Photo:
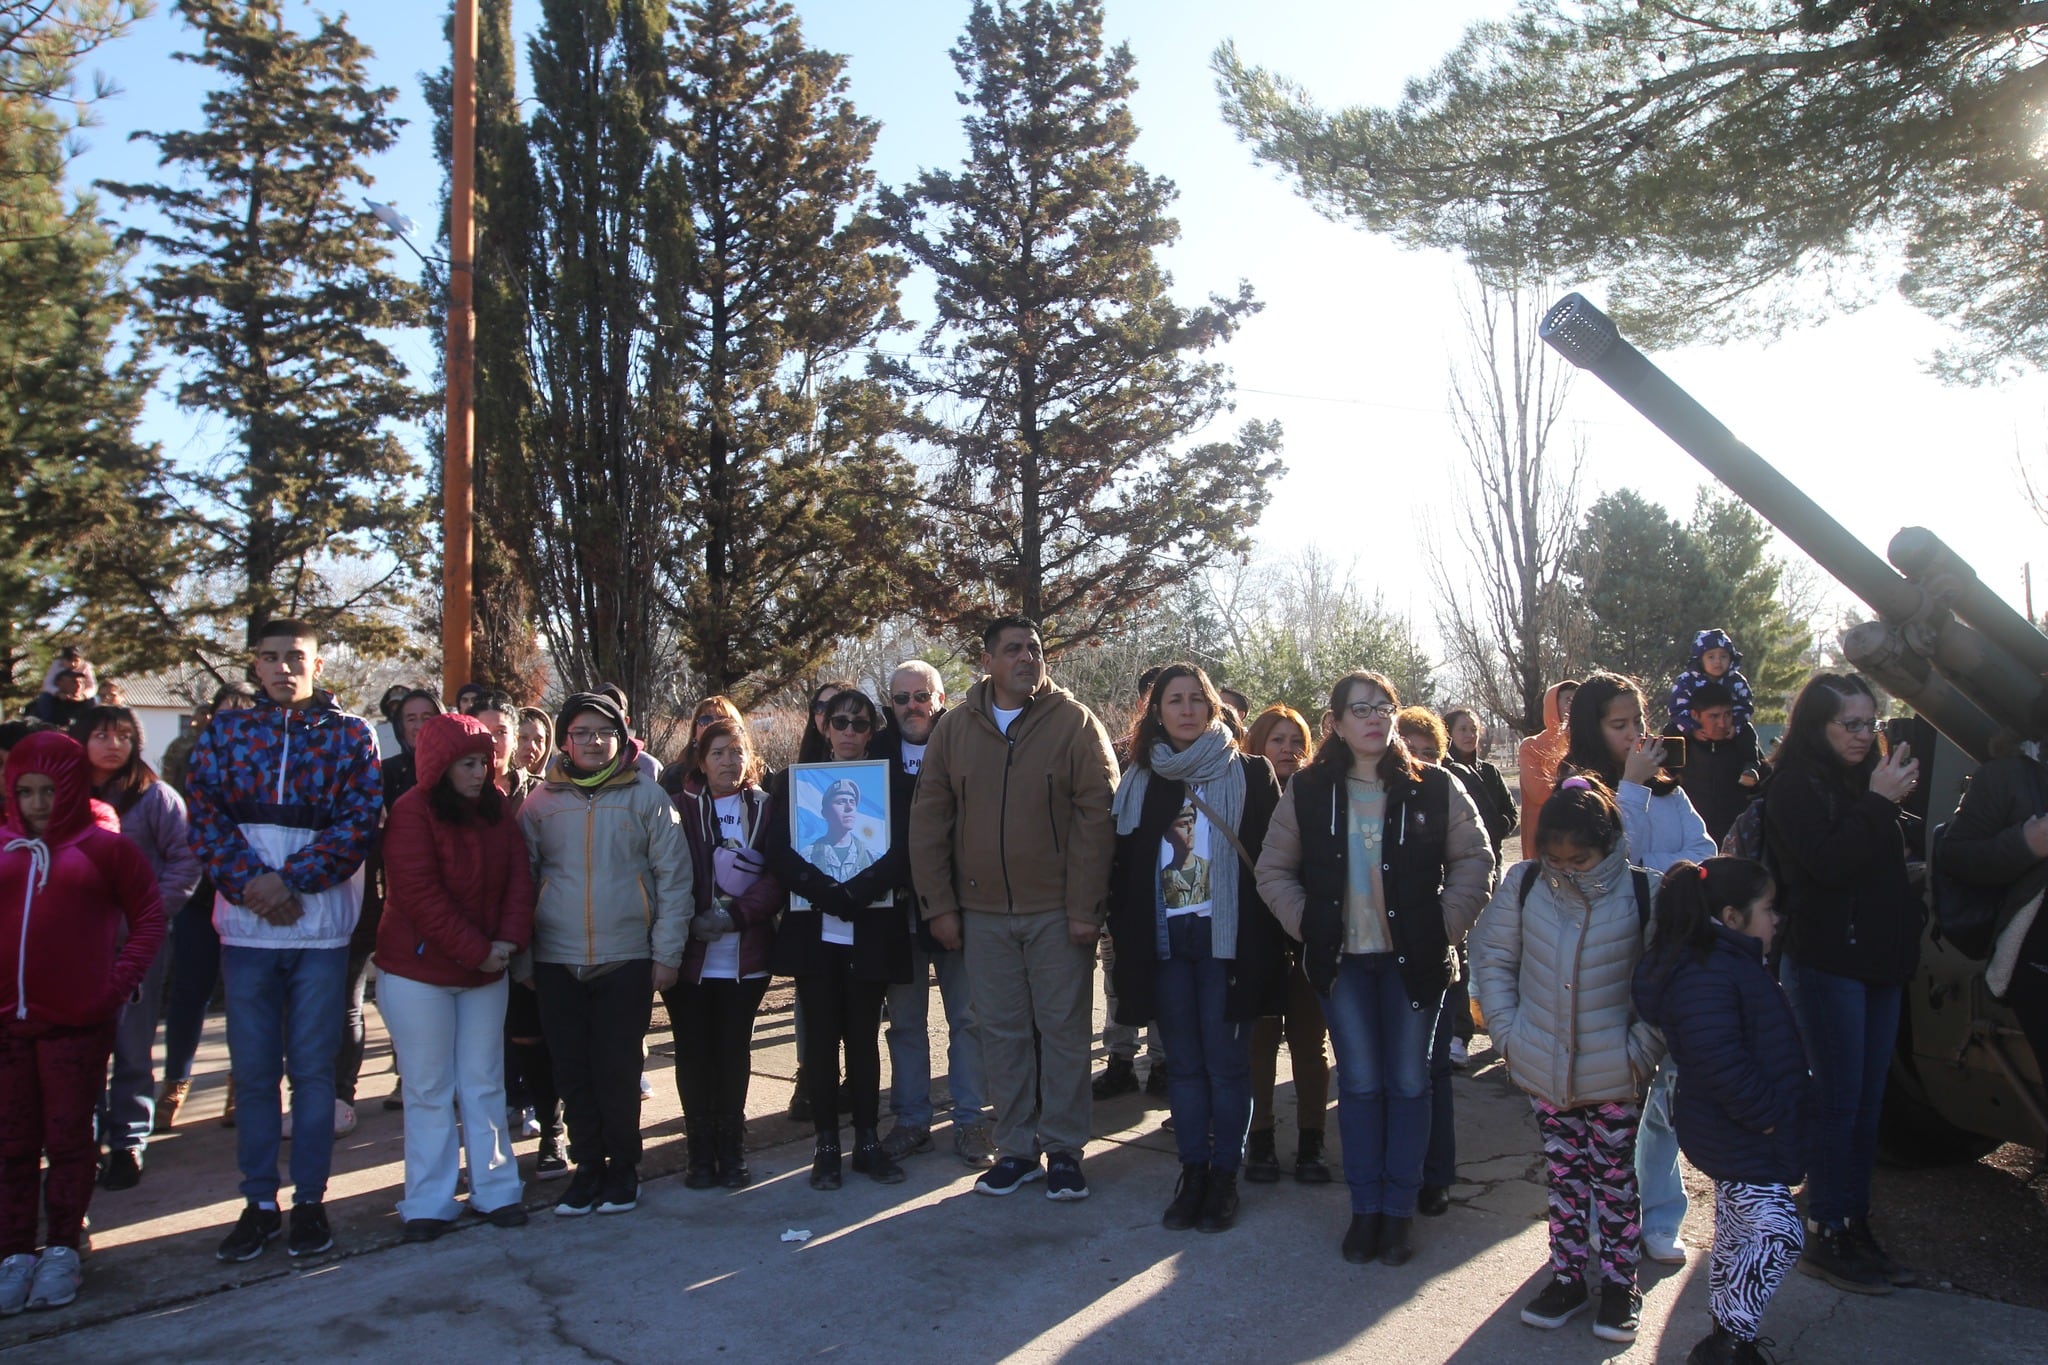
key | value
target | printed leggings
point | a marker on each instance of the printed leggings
(1591, 1155)
(1757, 1236)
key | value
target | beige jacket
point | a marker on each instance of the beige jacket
(612, 868)
(1015, 824)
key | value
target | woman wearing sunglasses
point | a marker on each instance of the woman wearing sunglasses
(843, 953)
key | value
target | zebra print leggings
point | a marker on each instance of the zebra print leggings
(1590, 1153)
(1757, 1237)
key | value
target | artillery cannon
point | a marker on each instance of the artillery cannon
(1963, 1077)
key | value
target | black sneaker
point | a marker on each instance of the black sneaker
(621, 1188)
(1621, 1313)
(1063, 1178)
(1831, 1256)
(310, 1234)
(553, 1161)
(1119, 1077)
(252, 1232)
(418, 1230)
(1261, 1158)
(1560, 1302)
(123, 1170)
(584, 1187)
(1155, 1081)
(1007, 1175)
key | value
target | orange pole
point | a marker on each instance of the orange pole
(459, 502)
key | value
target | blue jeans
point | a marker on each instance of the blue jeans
(910, 1041)
(1382, 1042)
(128, 1108)
(1851, 1028)
(285, 1010)
(1663, 1192)
(1209, 1085)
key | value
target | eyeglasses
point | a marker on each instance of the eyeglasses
(1365, 710)
(604, 736)
(1859, 727)
(905, 698)
(858, 724)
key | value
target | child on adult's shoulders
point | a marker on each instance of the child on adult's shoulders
(1714, 660)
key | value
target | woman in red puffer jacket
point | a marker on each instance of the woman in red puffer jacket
(67, 889)
(458, 904)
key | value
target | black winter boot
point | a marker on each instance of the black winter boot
(871, 1161)
(1187, 1196)
(1219, 1202)
(1261, 1161)
(730, 1141)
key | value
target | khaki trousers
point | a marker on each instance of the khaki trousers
(1025, 974)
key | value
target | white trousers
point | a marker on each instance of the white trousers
(451, 1054)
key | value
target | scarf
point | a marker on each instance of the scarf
(1592, 887)
(629, 753)
(1209, 763)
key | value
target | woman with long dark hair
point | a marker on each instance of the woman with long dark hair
(153, 818)
(843, 952)
(1660, 828)
(1852, 940)
(1201, 953)
(459, 905)
(1376, 863)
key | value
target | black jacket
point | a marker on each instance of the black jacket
(1417, 823)
(1712, 777)
(902, 791)
(1986, 842)
(1745, 1097)
(881, 934)
(1257, 974)
(1483, 783)
(1840, 860)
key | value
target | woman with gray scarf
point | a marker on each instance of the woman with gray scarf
(1191, 815)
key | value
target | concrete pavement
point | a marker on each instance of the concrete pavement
(922, 1269)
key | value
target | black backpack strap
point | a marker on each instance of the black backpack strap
(1642, 881)
(1528, 885)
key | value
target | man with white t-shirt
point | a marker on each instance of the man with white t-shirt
(917, 698)
(1010, 847)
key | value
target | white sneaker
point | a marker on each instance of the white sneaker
(57, 1278)
(344, 1118)
(1460, 1054)
(1664, 1250)
(17, 1273)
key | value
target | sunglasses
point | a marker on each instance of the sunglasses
(905, 698)
(858, 724)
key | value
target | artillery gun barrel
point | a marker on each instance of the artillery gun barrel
(1881, 652)
(1950, 580)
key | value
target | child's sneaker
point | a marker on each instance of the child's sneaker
(1621, 1313)
(57, 1278)
(1560, 1302)
(17, 1273)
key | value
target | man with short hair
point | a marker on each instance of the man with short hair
(1010, 848)
(917, 699)
(68, 697)
(286, 800)
(1722, 766)
(536, 740)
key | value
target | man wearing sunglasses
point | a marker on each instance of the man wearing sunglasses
(1010, 847)
(917, 698)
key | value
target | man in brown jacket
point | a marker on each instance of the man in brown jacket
(1010, 844)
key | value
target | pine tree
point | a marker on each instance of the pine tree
(84, 545)
(801, 510)
(1060, 379)
(272, 291)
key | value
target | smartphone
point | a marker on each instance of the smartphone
(1674, 752)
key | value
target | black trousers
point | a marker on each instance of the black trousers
(840, 1008)
(526, 1053)
(713, 1025)
(594, 1029)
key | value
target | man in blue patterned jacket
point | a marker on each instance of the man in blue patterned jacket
(285, 803)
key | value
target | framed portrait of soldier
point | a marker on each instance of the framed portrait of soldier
(839, 823)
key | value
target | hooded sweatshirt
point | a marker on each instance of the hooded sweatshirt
(1696, 676)
(451, 890)
(1538, 758)
(65, 898)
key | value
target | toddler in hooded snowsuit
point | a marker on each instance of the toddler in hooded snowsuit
(1702, 672)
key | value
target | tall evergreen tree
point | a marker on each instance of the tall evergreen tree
(272, 290)
(1060, 379)
(801, 511)
(83, 543)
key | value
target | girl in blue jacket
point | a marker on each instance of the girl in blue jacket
(1744, 1092)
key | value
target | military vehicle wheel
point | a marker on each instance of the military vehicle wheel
(1911, 1132)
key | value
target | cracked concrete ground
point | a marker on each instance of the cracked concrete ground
(922, 1268)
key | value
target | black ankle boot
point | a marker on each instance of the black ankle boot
(1219, 1202)
(1309, 1167)
(1362, 1239)
(1187, 1197)
(825, 1163)
(702, 1173)
(871, 1161)
(799, 1101)
(1261, 1161)
(1395, 1248)
(730, 1141)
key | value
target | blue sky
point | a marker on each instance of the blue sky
(1352, 350)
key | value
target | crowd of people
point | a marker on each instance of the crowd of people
(526, 886)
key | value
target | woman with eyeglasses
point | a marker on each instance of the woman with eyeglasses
(1377, 864)
(1851, 930)
(843, 952)
(1605, 737)
(615, 902)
